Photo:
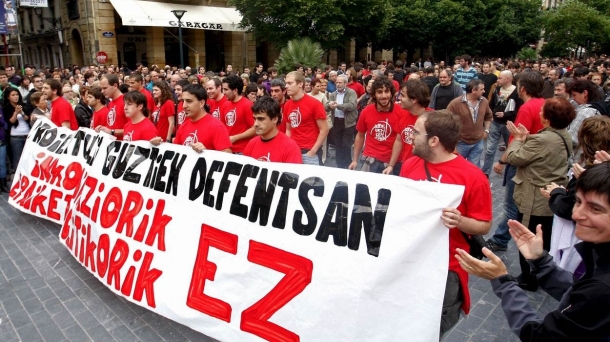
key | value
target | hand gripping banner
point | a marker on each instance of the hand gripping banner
(243, 250)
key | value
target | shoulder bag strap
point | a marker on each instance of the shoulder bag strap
(565, 144)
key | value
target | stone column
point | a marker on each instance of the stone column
(155, 46)
(233, 49)
(196, 39)
(104, 17)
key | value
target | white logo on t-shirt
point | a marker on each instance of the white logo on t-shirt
(407, 135)
(230, 118)
(216, 113)
(295, 118)
(191, 139)
(266, 158)
(128, 136)
(155, 115)
(381, 131)
(181, 117)
(111, 116)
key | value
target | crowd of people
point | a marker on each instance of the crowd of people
(548, 120)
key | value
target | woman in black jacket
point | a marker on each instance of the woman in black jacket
(82, 110)
(18, 124)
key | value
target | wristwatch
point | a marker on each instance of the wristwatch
(487, 131)
(502, 162)
(112, 132)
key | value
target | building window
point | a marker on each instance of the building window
(73, 12)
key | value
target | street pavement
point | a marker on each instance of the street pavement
(46, 295)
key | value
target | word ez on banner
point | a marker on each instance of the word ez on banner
(243, 250)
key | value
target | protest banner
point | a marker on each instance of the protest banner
(243, 250)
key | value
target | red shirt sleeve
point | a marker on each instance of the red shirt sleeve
(361, 125)
(319, 113)
(221, 139)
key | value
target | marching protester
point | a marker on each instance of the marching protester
(270, 144)
(138, 127)
(115, 119)
(217, 96)
(61, 111)
(180, 116)
(236, 114)
(342, 107)
(96, 100)
(164, 112)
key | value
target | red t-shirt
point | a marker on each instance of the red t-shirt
(529, 115)
(357, 87)
(216, 105)
(150, 102)
(396, 85)
(116, 118)
(62, 111)
(302, 116)
(99, 117)
(282, 125)
(405, 128)
(180, 115)
(207, 130)
(279, 149)
(238, 118)
(160, 117)
(143, 130)
(380, 130)
(476, 202)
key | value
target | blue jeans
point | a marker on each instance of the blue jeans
(496, 131)
(310, 160)
(511, 212)
(3, 162)
(471, 152)
(17, 144)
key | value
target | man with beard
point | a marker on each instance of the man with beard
(180, 115)
(216, 97)
(435, 136)
(62, 113)
(278, 93)
(200, 131)
(378, 123)
(271, 145)
(236, 113)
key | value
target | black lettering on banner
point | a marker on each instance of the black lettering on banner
(110, 159)
(150, 175)
(317, 184)
(78, 138)
(174, 174)
(263, 196)
(232, 168)
(159, 183)
(121, 164)
(287, 181)
(131, 176)
(237, 208)
(339, 203)
(362, 216)
(63, 147)
(208, 199)
(55, 146)
(198, 174)
(44, 135)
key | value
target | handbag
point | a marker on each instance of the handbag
(475, 242)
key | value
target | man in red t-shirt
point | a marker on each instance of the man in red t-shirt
(271, 145)
(216, 97)
(278, 93)
(136, 83)
(379, 124)
(200, 131)
(137, 126)
(115, 120)
(236, 114)
(97, 102)
(305, 119)
(180, 115)
(435, 136)
(414, 99)
(62, 113)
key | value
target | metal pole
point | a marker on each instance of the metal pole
(180, 39)
(20, 53)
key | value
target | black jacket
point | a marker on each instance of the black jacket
(83, 114)
(497, 104)
(562, 200)
(583, 313)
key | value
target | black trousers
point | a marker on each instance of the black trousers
(547, 229)
(343, 138)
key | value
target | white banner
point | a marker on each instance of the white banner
(34, 3)
(242, 250)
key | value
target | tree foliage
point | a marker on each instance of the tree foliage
(330, 22)
(576, 24)
(527, 53)
(299, 51)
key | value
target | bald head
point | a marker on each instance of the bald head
(505, 79)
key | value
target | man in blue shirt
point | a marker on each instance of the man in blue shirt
(465, 72)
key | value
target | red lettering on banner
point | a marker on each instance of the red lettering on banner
(55, 195)
(128, 213)
(111, 208)
(120, 251)
(146, 281)
(297, 270)
(205, 270)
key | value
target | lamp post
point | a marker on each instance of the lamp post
(179, 14)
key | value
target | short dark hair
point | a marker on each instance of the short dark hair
(258, 64)
(418, 90)
(183, 83)
(278, 82)
(251, 88)
(269, 106)
(138, 98)
(580, 72)
(466, 59)
(136, 76)
(595, 179)
(199, 92)
(559, 112)
(381, 82)
(235, 83)
(217, 82)
(580, 86)
(113, 79)
(472, 85)
(55, 85)
(271, 69)
(532, 82)
(444, 125)
(96, 92)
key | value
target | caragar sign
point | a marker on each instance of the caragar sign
(243, 250)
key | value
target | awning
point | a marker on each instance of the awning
(148, 13)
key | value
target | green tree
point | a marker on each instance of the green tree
(301, 51)
(576, 24)
(330, 22)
